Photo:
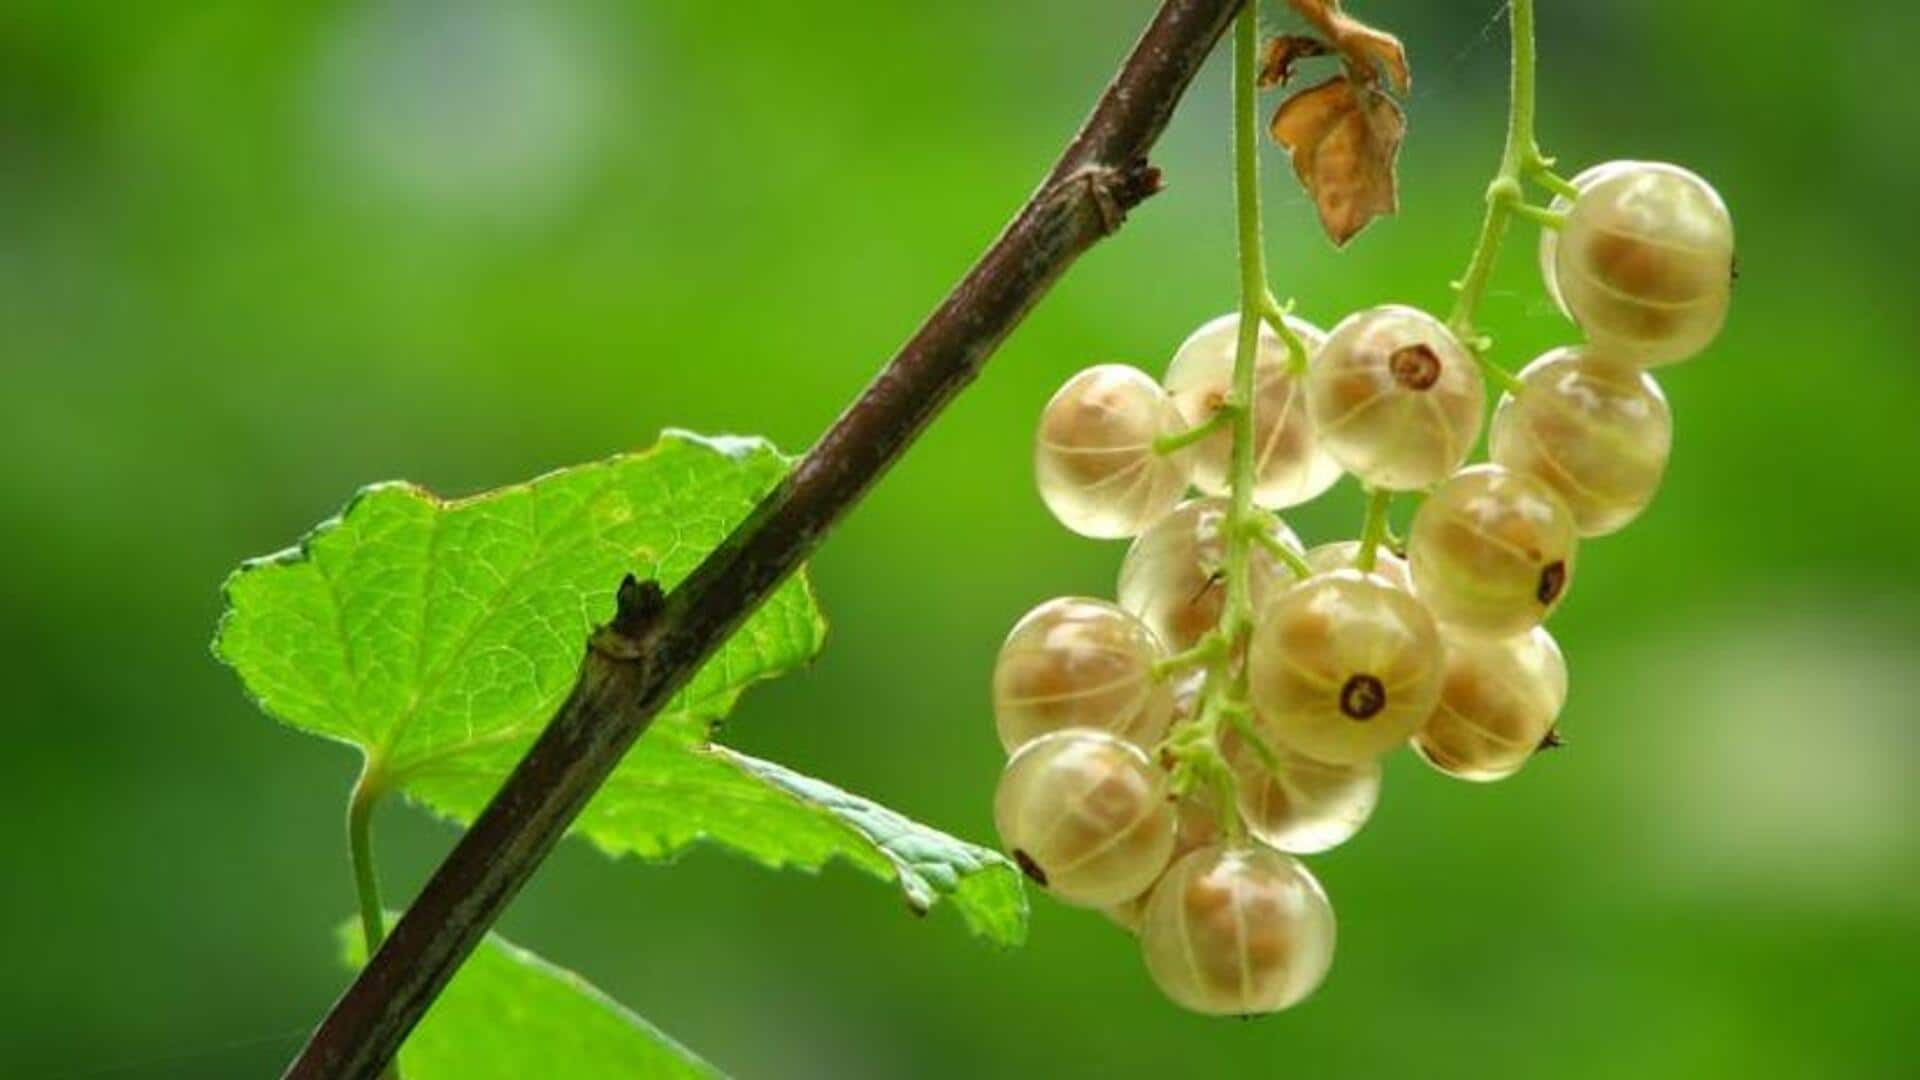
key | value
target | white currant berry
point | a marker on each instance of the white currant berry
(1094, 457)
(1289, 466)
(1300, 805)
(1343, 667)
(1340, 555)
(1596, 430)
(1498, 700)
(1644, 262)
(1077, 662)
(1396, 398)
(1492, 551)
(1086, 816)
(1237, 931)
(1171, 576)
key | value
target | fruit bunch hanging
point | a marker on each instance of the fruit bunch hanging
(1172, 754)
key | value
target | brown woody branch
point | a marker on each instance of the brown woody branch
(656, 642)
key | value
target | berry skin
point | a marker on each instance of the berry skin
(1289, 465)
(1343, 667)
(1396, 397)
(1597, 431)
(1492, 551)
(1303, 806)
(1094, 456)
(1170, 575)
(1237, 931)
(1086, 816)
(1075, 662)
(1499, 698)
(1644, 262)
(1340, 554)
(1550, 238)
(1194, 827)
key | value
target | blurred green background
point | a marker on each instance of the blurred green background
(254, 255)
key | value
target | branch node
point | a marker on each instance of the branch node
(638, 607)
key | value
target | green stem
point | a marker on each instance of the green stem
(366, 794)
(1373, 530)
(1170, 444)
(1541, 216)
(1210, 648)
(1253, 296)
(373, 923)
(1275, 313)
(1279, 549)
(1553, 181)
(1520, 156)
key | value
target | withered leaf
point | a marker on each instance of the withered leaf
(1365, 49)
(1277, 57)
(1344, 138)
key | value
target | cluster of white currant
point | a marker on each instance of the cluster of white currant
(1123, 719)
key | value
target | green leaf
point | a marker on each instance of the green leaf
(509, 1014)
(439, 635)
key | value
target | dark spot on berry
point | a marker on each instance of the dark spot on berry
(1552, 740)
(1733, 269)
(1030, 868)
(1553, 579)
(1415, 367)
(1362, 697)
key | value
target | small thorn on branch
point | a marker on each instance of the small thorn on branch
(638, 606)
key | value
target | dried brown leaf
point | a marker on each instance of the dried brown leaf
(1344, 138)
(1366, 50)
(1278, 55)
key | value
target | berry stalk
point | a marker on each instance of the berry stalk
(1520, 159)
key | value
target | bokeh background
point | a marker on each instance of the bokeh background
(254, 255)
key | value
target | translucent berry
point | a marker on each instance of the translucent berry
(1302, 806)
(1086, 816)
(1237, 931)
(1396, 397)
(1094, 455)
(1644, 262)
(1340, 555)
(1195, 826)
(1289, 465)
(1075, 662)
(1492, 551)
(1343, 666)
(1171, 575)
(1499, 699)
(1596, 430)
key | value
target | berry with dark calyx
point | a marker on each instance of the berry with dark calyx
(1085, 815)
(1237, 930)
(1289, 465)
(1397, 399)
(1094, 456)
(1343, 667)
(1077, 662)
(1498, 703)
(1596, 430)
(1492, 551)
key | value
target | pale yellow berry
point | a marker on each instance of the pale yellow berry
(1492, 551)
(1300, 805)
(1343, 667)
(1085, 815)
(1596, 430)
(1077, 662)
(1340, 555)
(1237, 931)
(1094, 458)
(1396, 398)
(1499, 699)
